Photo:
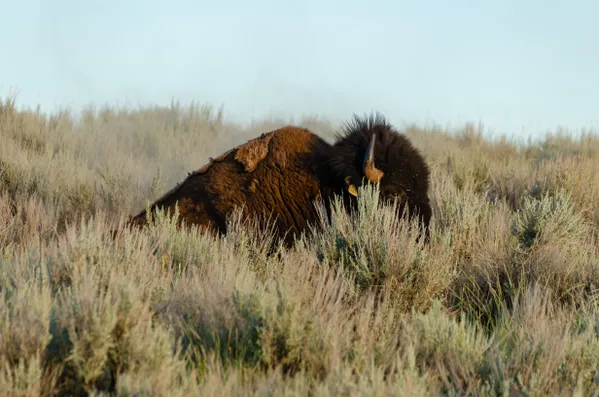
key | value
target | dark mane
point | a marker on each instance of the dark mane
(365, 126)
(394, 154)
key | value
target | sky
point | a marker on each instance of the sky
(519, 67)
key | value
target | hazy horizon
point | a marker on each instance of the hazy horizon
(519, 68)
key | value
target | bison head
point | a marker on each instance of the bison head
(372, 151)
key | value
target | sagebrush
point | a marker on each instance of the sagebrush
(502, 301)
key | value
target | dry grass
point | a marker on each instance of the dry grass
(502, 302)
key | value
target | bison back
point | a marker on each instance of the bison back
(273, 176)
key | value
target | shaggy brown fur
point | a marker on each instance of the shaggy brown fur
(283, 172)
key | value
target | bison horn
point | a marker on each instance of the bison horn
(372, 173)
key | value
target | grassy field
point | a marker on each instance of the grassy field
(501, 303)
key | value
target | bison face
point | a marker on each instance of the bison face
(389, 188)
(370, 171)
(399, 184)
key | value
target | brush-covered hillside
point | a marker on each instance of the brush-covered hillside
(502, 302)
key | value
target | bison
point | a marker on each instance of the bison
(284, 171)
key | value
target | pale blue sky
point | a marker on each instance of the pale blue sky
(514, 65)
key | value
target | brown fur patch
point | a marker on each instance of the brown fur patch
(253, 152)
(253, 186)
(290, 140)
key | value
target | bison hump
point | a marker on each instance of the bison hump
(249, 155)
(211, 161)
(253, 152)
